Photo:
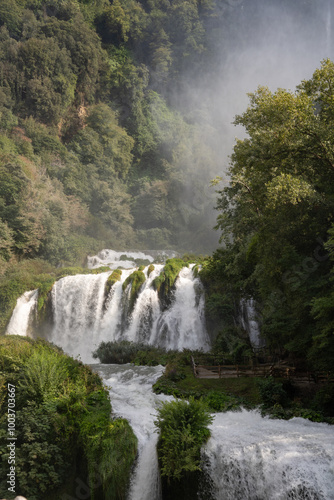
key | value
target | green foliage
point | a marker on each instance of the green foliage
(274, 214)
(164, 283)
(130, 352)
(63, 413)
(183, 429)
(150, 269)
(113, 278)
(218, 401)
(41, 463)
(135, 280)
(43, 375)
(272, 392)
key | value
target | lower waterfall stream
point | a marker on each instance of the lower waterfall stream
(132, 398)
(247, 457)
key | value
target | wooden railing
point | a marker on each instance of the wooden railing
(278, 369)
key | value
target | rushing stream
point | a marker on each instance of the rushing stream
(132, 398)
(255, 458)
(247, 457)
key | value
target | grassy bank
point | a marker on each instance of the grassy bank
(66, 438)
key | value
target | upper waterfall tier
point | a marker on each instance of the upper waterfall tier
(126, 259)
(83, 315)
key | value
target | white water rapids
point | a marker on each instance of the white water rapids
(247, 457)
(132, 398)
(255, 458)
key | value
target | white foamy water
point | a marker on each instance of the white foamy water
(132, 398)
(255, 458)
(182, 326)
(250, 323)
(77, 303)
(114, 259)
(22, 314)
(83, 316)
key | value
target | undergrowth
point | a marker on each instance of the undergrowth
(65, 435)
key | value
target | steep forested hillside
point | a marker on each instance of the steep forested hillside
(91, 149)
(110, 125)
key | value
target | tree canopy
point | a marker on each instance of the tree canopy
(276, 216)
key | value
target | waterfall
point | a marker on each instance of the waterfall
(183, 324)
(77, 303)
(132, 398)
(83, 317)
(247, 457)
(22, 314)
(255, 458)
(248, 319)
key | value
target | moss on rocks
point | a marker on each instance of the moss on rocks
(165, 282)
(137, 278)
(150, 269)
(113, 278)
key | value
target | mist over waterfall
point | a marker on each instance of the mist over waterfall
(83, 316)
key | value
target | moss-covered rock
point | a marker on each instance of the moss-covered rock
(165, 282)
(113, 278)
(150, 269)
(136, 279)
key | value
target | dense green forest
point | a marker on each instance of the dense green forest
(92, 152)
(276, 219)
(103, 144)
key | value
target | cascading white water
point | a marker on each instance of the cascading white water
(249, 322)
(77, 303)
(22, 314)
(247, 456)
(183, 324)
(83, 316)
(114, 259)
(132, 398)
(255, 458)
(146, 311)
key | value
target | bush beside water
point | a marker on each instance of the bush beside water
(65, 435)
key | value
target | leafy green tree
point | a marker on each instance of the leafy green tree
(183, 429)
(280, 200)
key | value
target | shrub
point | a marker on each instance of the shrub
(43, 375)
(118, 352)
(217, 401)
(183, 429)
(272, 392)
